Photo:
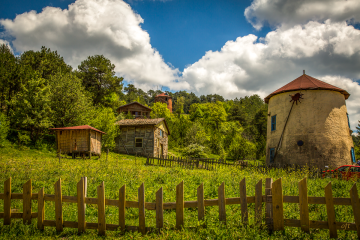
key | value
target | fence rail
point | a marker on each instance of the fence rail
(273, 201)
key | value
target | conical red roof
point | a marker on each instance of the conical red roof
(305, 82)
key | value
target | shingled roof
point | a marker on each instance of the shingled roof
(142, 122)
(134, 103)
(306, 82)
(82, 127)
(163, 95)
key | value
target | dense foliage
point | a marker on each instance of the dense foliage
(38, 91)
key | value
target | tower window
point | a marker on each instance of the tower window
(273, 123)
(352, 152)
(348, 119)
(272, 154)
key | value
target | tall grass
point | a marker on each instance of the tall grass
(44, 169)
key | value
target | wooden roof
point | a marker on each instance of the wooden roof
(82, 127)
(306, 82)
(163, 95)
(142, 122)
(134, 103)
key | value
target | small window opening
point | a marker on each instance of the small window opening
(352, 152)
(60, 132)
(138, 142)
(272, 154)
(273, 123)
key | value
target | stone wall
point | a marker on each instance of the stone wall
(160, 140)
(129, 134)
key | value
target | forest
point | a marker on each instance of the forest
(38, 91)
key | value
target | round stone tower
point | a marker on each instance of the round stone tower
(164, 98)
(308, 125)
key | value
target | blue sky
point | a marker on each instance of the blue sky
(232, 48)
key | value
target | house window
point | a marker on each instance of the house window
(273, 123)
(272, 154)
(138, 142)
(352, 152)
(161, 133)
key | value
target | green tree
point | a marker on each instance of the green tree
(4, 128)
(160, 110)
(69, 102)
(98, 77)
(179, 105)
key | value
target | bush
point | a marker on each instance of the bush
(194, 151)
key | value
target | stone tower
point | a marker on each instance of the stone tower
(164, 98)
(308, 125)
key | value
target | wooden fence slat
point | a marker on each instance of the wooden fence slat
(330, 211)
(180, 205)
(221, 197)
(81, 206)
(268, 209)
(101, 209)
(159, 209)
(243, 201)
(278, 211)
(200, 202)
(27, 192)
(58, 206)
(356, 207)
(141, 196)
(7, 202)
(41, 210)
(258, 201)
(304, 207)
(122, 203)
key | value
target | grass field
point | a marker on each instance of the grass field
(44, 169)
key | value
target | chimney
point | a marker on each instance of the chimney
(303, 72)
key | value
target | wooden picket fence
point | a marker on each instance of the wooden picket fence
(273, 201)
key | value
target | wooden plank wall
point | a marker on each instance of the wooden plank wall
(273, 199)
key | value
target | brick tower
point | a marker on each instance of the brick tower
(164, 98)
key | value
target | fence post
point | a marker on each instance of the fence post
(101, 209)
(356, 207)
(200, 201)
(277, 202)
(122, 203)
(41, 209)
(141, 196)
(27, 194)
(180, 205)
(221, 198)
(159, 209)
(258, 201)
(243, 201)
(330, 211)
(81, 206)
(58, 206)
(304, 207)
(7, 202)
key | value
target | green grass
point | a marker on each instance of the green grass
(44, 169)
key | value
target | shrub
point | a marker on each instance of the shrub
(195, 151)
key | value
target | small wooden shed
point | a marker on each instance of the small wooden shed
(147, 137)
(78, 140)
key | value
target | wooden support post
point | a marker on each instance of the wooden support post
(304, 207)
(243, 202)
(141, 196)
(101, 209)
(258, 202)
(122, 203)
(58, 206)
(41, 210)
(277, 200)
(81, 206)
(268, 209)
(221, 198)
(330, 211)
(180, 205)
(356, 207)
(27, 194)
(159, 209)
(200, 201)
(7, 202)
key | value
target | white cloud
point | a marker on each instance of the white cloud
(90, 27)
(288, 13)
(250, 65)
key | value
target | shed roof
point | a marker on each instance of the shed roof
(306, 82)
(164, 94)
(141, 122)
(132, 104)
(82, 127)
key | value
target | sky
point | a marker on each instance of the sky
(232, 48)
